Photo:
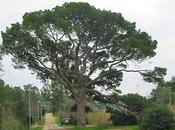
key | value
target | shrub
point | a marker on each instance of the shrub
(98, 118)
(123, 118)
(0, 117)
(156, 118)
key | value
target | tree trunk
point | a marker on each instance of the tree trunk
(80, 103)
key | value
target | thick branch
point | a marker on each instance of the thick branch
(138, 71)
(99, 77)
(103, 96)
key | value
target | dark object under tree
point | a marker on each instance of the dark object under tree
(123, 118)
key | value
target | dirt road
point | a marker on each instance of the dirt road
(50, 123)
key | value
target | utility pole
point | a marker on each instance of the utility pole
(30, 121)
(170, 98)
(38, 110)
(41, 114)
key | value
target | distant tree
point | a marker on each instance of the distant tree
(0, 116)
(165, 93)
(135, 103)
(34, 92)
(54, 94)
(1, 99)
(161, 95)
(81, 47)
(13, 103)
(20, 103)
(156, 117)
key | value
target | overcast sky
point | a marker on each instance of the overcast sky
(156, 17)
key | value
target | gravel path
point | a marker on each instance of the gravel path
(50, 123)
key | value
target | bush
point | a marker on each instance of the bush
(156, 118)
(122, 118)
(0, 117)
(98, 118)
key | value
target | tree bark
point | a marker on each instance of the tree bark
(80, 103)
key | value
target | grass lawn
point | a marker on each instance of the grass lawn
(38, 128)
(107, 128)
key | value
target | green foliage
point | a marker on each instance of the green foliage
(54, 94)
(41, 125)
(135, 103)
(14, 105)
(20, 103)
(123, 118)
(98, 118)
(5, 99)
(57, 119)
(170, 84)
(156, 118)
(0, 116)
(156, 76)
(128, 113)
(11, 122)
(165, 93)
(161, 95)
(38, 128)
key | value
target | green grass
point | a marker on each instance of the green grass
(57, 120)
(107, 128)
(38, 128)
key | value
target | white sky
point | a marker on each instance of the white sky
(156, 17)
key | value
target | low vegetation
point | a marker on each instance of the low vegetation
(108, 128)
(156, 118)
(14, 106)
(98, 118)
